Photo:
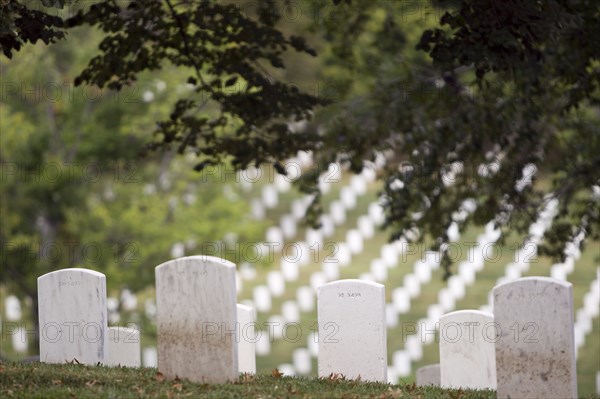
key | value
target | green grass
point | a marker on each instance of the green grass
(38, 380)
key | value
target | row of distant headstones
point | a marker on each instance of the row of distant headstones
(525, 349)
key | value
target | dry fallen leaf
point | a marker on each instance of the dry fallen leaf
(159, 376)
(276, 373)
(336, 377)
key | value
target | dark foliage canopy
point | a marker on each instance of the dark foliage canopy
(498, 92)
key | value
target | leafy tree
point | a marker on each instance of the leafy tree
(497, 90)
(74, 192)
(513, 89)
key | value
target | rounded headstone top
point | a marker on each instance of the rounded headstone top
(197, 259)
(89, 272)
(245, 308)
(466, 311)
(532, 280)
(352, 281)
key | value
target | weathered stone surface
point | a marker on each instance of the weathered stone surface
(352, 330)
(428, 375)
(124, 347)
(73, 316)
(535, 351)
(467, 354)
(196, 319)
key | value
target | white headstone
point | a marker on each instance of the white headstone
(124, 347)
(246, 318)
(331, 271)
(513, 271)
(276, 325)
(303, 252)
(457, 286)
(150, 308)
(150, 357)
(392, 376)
(282, 183)
(379, 270)
(262, 298)
(423, 271)
(412, 285)
(389, 254)
(258, 209)
(112, 306)
(591, 303)
(247, 271)
(317, 279)
(428, 375)
(12, 307)
(238, 283)
(453, 232)
(305, 159)
(196, 319)
(352, 330)
(19, 340)
(305, 297)
(290, 312)
(287, 369)
(288, 226)
(302, 361)
(274, 235)
(558, 272)
(337, 212)
(414, 347)
(298, 209)
(276, 283)
(401, 362)
(128, 300)
(327, 225)
(535, 353)
(343, 254)
(178, 250)
(391, 316)
(355, 241)
(466, 271)
(358, 184)
(467, 355)
(290, 269)
(73, 317)
(312, 342)
(245, 183)
(434, 312)
(269, 196)
(324, 185)
(446, 299)
(366, 226)
(348, 197)
(369, 173)
(401, 300)
(376, 213)
(433, 258)
(263, 344)
(314, 238)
